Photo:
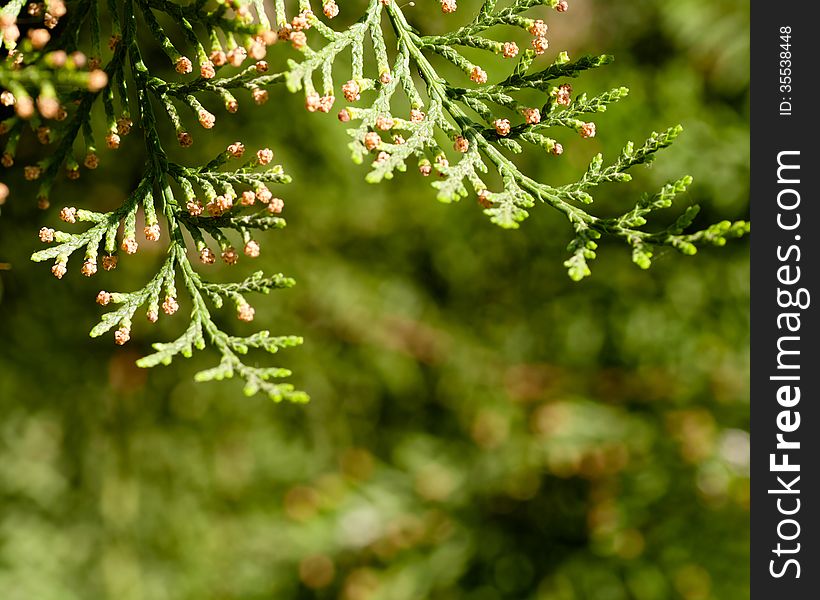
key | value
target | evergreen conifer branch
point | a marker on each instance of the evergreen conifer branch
(55, 90)
(203, 206)
(501, 123)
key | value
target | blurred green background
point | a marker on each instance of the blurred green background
(481, 428)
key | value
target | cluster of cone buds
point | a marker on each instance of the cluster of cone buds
(448, 6)
(47, 104)
(121, 128)
(10, 33)
(461, 144)
(351, 91)
(538, 29)
(219, 205)
(245, 312)
(123, 334)
(256, 49)
(502, 126)
(294, 31)
(264, 156)
(509, 50)
(562, 94)
(587, 130)
(314, 102)
(330, 8)
(229, 254)
(478, 75)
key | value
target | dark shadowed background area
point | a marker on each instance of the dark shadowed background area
(481, 427)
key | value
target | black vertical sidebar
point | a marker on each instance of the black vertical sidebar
(785, 553)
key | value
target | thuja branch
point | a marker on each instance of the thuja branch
(205, 207)
(486, 122)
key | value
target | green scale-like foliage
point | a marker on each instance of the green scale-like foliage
(470, 113)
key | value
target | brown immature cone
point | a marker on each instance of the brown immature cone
(509, 50)
(89, 267)
(46, 234)
(258, 50)
(301, 21)
(532, 116)
(484, 199)
(260, 96)
(372, 140)
(152, 232)
(478, 75)
(230, 256)
(218, 58)
(502, 126)
(194, 208)
(170, 305)
(68, 214)
(538, 28)
(276, 205)
(448, 6)
(299, 40)
(184, 65)
(109, 262)
(461, 144)
(112, 140)
(540, 45)
(237, 56)
(91, 161)
(562, 6)
(326, 103)
(252, 249)
(351, 91)
(44, 135)
(206, 70)
(264, 156)
(384, 122)
(563, 96)
(588, 130)
(122, 335)
(129, 245)
(236, 150)
(263, 194)
(331, 9)
(245, 312)
(124, 125)
(206, 255)
(185, 140)
(206, 119)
